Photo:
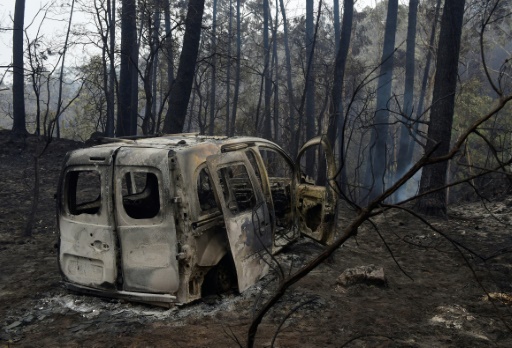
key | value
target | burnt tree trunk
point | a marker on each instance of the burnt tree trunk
(18, 83)
(170, 59)
(310, 86)
(126, 116)
(180, 93)
(267, 121)
(232, 119)
(228, 68)
(441, 112)
(379, 140)
(61, 76)
(291, 98)
(111, 13)
(336, 119)
(405, 141)
(426, 75)
(213, 92)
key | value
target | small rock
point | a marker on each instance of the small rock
(13, 325)
(28, 319)
(369, 275)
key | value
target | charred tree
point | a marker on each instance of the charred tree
(403, 162)
(156, 43)
(441, 112)
(19, 127)
(213, 81)
(336, 22)
(267, 122)
(232, 119)
(275, 69)
(289, 83)
(169, 57)
(111, 13)
(61, 76)
(182, 88)
(228, 68)
(310, 86)
(375, 179)
(150, 74)
(424, 82)
(336, 118)
(127, 107)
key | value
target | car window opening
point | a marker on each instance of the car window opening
(84, 192)
(239, 192)
(141, 196)
(205, 191)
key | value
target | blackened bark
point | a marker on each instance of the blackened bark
(237, 69)
(267, 122)
(126, 116)
(61, 76)
(180, 93)
(336, 22)
(426, 75)
(228, 68)
(111, 12)
(310, 86)
(275, 69)
(291, 98)
(379, 142)
(213, 91)
(403, 162)
(336, 114)
(156, 43)
(170, 59)
(18, 83)
(150, 73)
(441, 112)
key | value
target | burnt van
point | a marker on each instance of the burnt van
(169, 219)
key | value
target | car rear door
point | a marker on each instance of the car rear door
(315, 201)
(87, 248)
(247, 220)
(145, 220)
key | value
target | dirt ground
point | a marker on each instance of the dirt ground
(437, 295)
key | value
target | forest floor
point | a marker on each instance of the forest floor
(437, 295)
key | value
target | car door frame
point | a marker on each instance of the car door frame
(87, 242)
(148, 246)
(249, 232)
(310, 197)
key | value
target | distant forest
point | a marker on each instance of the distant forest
(412, 95)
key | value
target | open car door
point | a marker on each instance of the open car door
(246, 215)
(316, 201)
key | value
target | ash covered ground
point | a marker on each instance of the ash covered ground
(437, 294)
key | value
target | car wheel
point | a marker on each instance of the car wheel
(221, 278)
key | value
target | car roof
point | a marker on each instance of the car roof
(180, 143)
(180, 140)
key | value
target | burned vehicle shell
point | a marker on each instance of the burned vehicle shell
(169, 219)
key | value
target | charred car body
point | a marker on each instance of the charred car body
(168, 219)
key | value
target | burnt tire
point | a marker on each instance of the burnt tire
(221, 278)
